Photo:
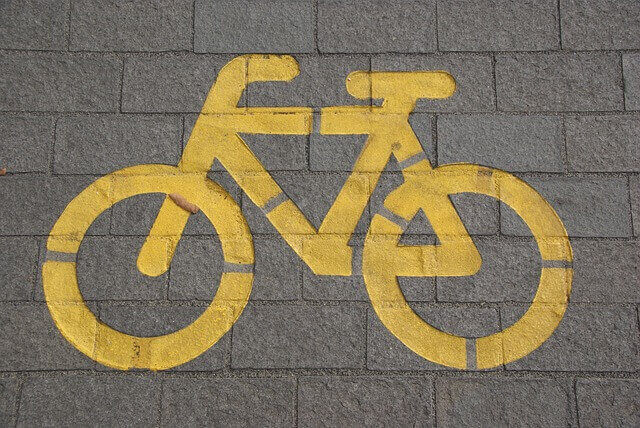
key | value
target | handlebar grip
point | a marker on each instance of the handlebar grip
(262, 68)
(401, 84)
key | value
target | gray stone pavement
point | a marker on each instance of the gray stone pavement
(548, 90)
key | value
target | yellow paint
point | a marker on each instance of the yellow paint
(325, 250)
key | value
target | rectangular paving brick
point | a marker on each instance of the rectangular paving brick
(631, 67)
(608, 402)
(634, 183)
(505, 25)
(605, 271)
(559, 81)
(177, 83)
(502, 402)
(29, 340)
(18, 265)
(246, 26)
(595, 206)
(229, 402)
(603, 143)
(154, 319)
(511, 143)
(105, 143)
(59, 82)
(600, 24)
(300, 336)
(278, 270)
(365, 401)
(196, 268)
(32, 203)
(85, 399)
(36, 24)
(387, 352)
(473, 74)
(26, 143)
(279, 152)
(9, 395)
(158, 25)
(589, 338)
(374, 26)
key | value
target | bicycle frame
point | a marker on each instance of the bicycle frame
(215, 136)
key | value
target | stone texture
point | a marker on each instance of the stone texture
(85, 399)
(614, 402)
(504, 25)
(279, 152)
(102, 144)
(502, 402)
(589, 338)
(634, 183)
(34, 24)
(512, 143)
(559, 81)
(196, 268)
(38, 81)
(278, 270)
(600, 24)
(631, 67)
(158, 25)
(374, 26)
(9, 395)
(365, 401)
(299, 336)
(588, 206)
(29, 340)
(177, 83)
(247, 26)
(18, 265)
(228, 402)
(603, 143)
(473, 75)
(387, 352)
(32, 203)
(606, 271)
(25, 143)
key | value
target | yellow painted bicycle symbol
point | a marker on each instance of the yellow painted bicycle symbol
(325, 250)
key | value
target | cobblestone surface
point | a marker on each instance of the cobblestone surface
(548, 90)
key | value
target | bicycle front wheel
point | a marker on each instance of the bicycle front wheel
(119, 350)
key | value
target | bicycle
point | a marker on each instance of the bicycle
(325, 250)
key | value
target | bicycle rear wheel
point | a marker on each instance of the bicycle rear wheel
(119, 350)
(384, 260)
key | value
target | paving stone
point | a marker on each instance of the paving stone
(196, 269)
(603, 143)
(589, 338)
(34, 24)
(600, 24)
(608, 402)
(631, 67)
(313, 192)
(502, 402)
(32, 203)
(279, 152)
(246, 26)
(155, 319)
(278, 270)
(512, 143)
(26, 143)
(102, 144)
(365, 401)
(588, 206)
(29, 340)
(42, 81)
(228, 402)
(158, 25)
(177, 83)
(85, 399)
(374, 26)
(634, 183)
(505, 25)
(9, 395)
(321, 83)
(18, 265)
(300, 336)
(510, 272)
(340, 152)
(606, 271)
(387, 352)
(559, 81)
(473, 74)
